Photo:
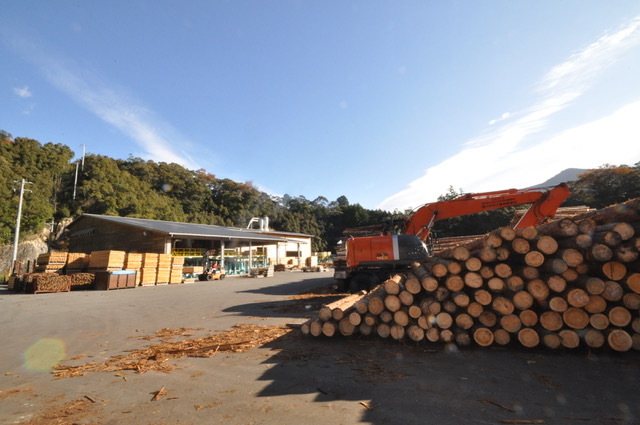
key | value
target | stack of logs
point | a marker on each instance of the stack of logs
(568, 283)
(47, 282)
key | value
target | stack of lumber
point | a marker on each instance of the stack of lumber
(562, 212)
(82, 281)
(77, 261)
(177, 263)
(443, 244)
(133, 261)
(109, 260)
(47, 282)
(149, 270)
(51, 262)
(164, 269)
(569, 283)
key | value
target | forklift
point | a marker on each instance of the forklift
(211, 269)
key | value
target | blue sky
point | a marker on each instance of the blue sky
(386, 102)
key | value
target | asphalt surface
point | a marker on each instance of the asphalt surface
(292, 379)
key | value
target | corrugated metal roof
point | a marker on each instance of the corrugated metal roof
(178, 229)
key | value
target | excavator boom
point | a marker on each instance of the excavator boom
(371, 259)
(545, 202)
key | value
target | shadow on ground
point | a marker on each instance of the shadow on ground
(301, 301)
(434, 384)
(317, 285)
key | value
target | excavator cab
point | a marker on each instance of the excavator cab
(377, 257)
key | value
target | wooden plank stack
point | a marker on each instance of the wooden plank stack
(177, 263)
(133, 261)
(51, 262)
(149, 270)
(108, 260)
(164, 269)
(77, 262)
(574, 282)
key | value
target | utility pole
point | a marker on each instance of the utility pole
(14, 256)
(75, 182)
(81, 161)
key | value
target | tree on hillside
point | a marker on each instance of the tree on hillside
(173, 180)
(607, 185)
(105, 189)
(5, 136)
(45, 167)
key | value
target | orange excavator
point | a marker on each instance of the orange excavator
(371, 259)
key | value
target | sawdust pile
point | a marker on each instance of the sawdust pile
(70, 413)
(235, 340)
(4, 394)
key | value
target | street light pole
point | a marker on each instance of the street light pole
(14, 255)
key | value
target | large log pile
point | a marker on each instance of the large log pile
(569, 283)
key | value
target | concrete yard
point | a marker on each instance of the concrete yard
(292, 379)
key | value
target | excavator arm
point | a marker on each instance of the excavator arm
(545, 202)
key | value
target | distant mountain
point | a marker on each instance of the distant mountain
(570, 174)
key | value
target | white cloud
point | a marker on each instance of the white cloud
(502, 157)
(159, 141)
(23, 92)
(503, 117)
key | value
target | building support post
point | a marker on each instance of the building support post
(221, 255)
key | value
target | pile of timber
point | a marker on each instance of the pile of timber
(82, 281)
(133, 261)
(108, 260)
(47, 282)
(569, 283)
(163, 270)
(177, 264)
(562, 212)
(149, 270)
(443, 244)
(77, 262)
(51, 262)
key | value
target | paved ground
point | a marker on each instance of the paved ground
(290, 380)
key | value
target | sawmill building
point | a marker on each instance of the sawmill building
(237, 249)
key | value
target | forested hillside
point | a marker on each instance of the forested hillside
(138, 188)
(146, 189)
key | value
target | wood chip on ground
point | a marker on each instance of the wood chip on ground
(235, 340)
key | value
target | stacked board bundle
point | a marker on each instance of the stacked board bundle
(133, 261)
(569, 283)
(77, 261)
(164, 269)
(149, 270)
(177, 264)
(51, 261)
(81, 281)
(47, 282)
(106, 260)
